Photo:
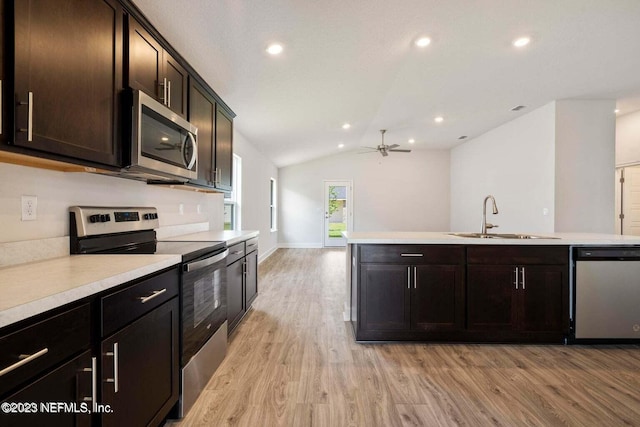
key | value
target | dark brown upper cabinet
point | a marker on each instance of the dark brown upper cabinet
(67, 76)
(224, 151)
(215, 139)
(154, 71)
(202, 114)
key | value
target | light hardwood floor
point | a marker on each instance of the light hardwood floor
(293, 362)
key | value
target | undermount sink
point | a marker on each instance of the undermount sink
(501, 236)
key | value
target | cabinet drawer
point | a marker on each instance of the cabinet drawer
(503, 255)
(48, 342)
(235, 253)
(252, 245)
(122, 307)
(413, 254)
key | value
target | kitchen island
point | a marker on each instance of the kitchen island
(442, 287)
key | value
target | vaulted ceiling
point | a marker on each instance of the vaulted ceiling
(355, 61)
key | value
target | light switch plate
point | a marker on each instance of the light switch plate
(29, 208)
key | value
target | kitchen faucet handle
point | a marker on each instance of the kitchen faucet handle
(489, 225)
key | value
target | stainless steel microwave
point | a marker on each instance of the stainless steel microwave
(163, 144)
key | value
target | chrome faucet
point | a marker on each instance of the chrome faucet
(486, 225)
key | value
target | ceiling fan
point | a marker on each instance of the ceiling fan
(385, 149)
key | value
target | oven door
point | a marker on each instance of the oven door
(204, 301)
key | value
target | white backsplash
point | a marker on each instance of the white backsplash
(179, 211)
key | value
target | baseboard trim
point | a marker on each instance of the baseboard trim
(300, 245)
(263, 256)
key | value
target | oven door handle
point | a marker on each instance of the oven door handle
(197, 265)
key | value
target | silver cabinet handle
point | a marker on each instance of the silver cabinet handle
(218, 173)
(408, 277)
(245, 268)
(29, 129)
(415, 277)
(237, 253)
(164, 91)
(152, 296)
(411, 255)
(169, 93)
(24, 359)
(94, 380)
(515, 271)
(114, 380)
(523, 284)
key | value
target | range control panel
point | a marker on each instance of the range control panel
(94, 220)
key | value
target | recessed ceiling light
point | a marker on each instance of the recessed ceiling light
(346, 126)
(521, 41)
(439, 119)
(340, 145)
(411, 141)
(275, 49)
(616, 111)
(423, 42)
(164, 138)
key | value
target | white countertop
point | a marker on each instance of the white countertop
(33, 288)
(230, 236)
(444, 238)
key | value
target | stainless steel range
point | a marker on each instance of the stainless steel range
(203, 288)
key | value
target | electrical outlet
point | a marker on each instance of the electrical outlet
(29, 208)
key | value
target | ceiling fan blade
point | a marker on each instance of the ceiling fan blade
(400, 151)
(370, 148)
(366, 152)
(384, 153)
(391, 147)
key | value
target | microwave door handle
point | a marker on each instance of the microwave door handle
(194, 157)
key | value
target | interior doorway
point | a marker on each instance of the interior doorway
(628, 200)
(337, 212)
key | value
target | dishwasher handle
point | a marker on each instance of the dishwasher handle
(614, 253)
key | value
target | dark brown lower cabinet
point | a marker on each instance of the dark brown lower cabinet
(69, 384)
(235, 293)
(410, 301)
(251, 277)
(140, 369)
(503, 293)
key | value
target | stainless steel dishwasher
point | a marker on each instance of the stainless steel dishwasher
(607, 293)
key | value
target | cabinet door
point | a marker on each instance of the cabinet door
(147, 359)
(224, 150)
(145, 62)
(177, 85)
(202, 114)
(491, 303)
(437, 298)
(251, 278)
(68, 62)
(70, 383)
(543, 299)
(385, 293)
(235, 294)
(3, 83)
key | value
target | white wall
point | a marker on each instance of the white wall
(257, 170)
(401, 192)
(514, 163)
(585, 166)
(56, 191)
(559, 158)
(628, 139)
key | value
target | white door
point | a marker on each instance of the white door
(337, 212)
(631, 201)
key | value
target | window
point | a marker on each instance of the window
(233, 200)
(272, 205)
